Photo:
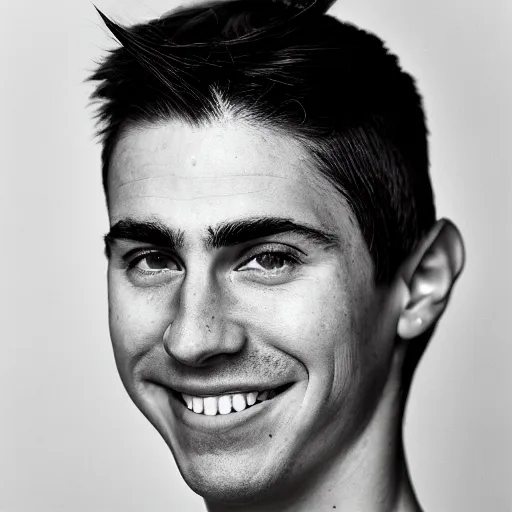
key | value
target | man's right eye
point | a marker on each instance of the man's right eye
(154, 263)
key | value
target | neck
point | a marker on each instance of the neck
(371, 477)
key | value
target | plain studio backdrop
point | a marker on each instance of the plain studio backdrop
(70, 439)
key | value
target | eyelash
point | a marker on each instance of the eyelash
(133, 260)
(289, 255)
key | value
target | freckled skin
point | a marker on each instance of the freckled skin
(328, 328)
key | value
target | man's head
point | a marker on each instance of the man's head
(272, 230)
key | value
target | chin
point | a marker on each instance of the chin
(234, 483)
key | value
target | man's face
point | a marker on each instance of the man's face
(237, 270)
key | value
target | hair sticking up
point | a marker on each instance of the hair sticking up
(285, 66)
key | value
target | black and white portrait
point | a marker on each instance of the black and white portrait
(256, 256)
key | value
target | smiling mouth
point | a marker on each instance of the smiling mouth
(228, 403)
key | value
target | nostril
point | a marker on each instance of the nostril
(197, 340)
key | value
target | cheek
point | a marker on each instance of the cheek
(328, 323)
(137, 320)
(309, 319)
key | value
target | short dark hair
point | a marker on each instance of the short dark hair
(334, 87)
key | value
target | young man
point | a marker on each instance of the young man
(275, 264)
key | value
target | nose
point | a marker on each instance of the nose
(201, 332)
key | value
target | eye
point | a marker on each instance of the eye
(154, 263)
(270, 262)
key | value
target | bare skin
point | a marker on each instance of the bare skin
(204, 311)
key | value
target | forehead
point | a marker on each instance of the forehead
(194, 177)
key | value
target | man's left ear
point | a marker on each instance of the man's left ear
(429, 275)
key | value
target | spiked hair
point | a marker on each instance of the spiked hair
(292, 68)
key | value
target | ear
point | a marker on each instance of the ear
(429, 275)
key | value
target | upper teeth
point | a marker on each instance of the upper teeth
(224, 404)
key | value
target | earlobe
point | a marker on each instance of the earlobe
(429, 275)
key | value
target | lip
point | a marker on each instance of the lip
(223, 422)
(205, 392)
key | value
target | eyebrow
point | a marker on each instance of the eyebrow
(238, 232)
(227, 234)
(149, 232)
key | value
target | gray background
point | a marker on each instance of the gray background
(70, 439)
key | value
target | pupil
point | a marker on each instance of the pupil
(156, 261)
(270, 261)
